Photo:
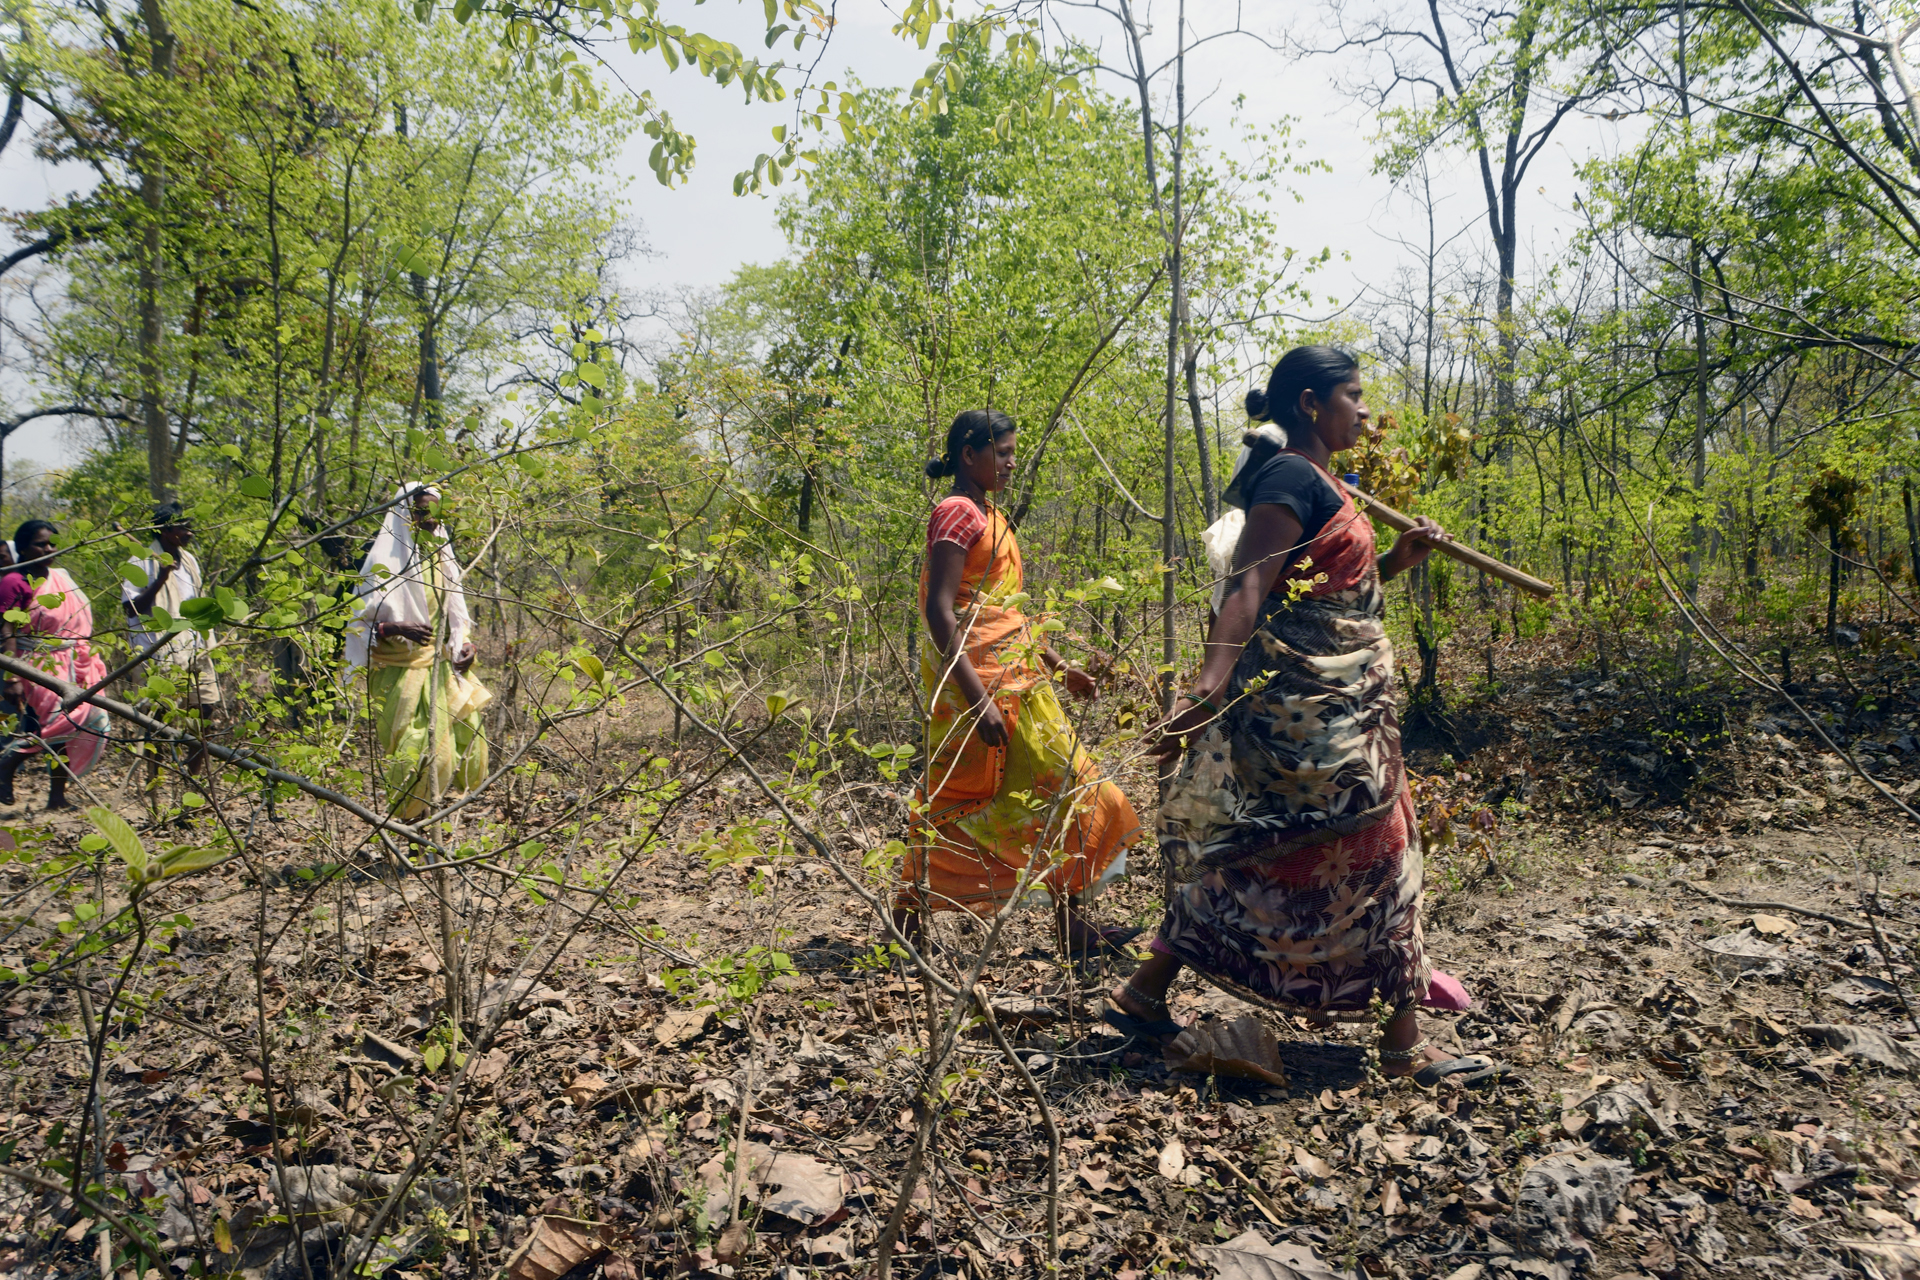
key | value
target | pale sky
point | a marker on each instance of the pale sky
(701, 232)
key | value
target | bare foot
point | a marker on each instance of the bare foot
(1129, 1001)
(1427, 1056)
(1143, 997)
(1403, 1052)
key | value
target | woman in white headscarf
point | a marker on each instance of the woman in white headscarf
(411, 630)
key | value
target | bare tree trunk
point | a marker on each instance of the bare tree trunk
(1175, 313)
(1695, 531)
(1210, 500)
(1913, 529)
(161, 475)
(430, 391)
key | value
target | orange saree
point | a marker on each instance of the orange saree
(1037, 805)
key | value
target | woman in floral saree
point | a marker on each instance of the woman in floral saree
(1288, 823)
(1009, 790)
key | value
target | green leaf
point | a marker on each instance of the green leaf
(592, 666)
(131, 572)
(181, 861)
(202, 614)
(433, 1055)
(122, 838)
(255, 487)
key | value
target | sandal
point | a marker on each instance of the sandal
(1111, 941)
(1158, 1030)
(1474, 1070)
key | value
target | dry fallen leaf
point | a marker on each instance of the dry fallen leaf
(620, 1267)
(733, 1242)
(1309, 1167)
(557, 1246)
(651, 1143)
(1242, 1048)
(682, 1025)
(1895, 1261)
(584, 1088)
(1173, 1158)
(1248, 1256)
(489, 1068)
(783, 1182)
(835, 1245)
(802, 1188)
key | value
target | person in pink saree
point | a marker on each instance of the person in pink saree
(49, 622)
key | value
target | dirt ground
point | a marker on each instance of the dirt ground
(1709, 1056)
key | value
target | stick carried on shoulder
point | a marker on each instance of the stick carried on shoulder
(1459, 551)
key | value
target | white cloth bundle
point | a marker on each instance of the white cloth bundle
(182, 585)
(400, 593)
(1222, 537)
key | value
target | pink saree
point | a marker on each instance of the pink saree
(58, 639)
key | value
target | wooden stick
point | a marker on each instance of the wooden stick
(1458, 550)
(1268, 1209)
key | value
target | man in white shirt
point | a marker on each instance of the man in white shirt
(172, 578)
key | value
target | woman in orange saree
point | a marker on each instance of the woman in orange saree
(1010, 796)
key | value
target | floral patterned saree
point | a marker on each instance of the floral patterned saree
(1288, 824)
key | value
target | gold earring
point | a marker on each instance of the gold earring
(1313, 416)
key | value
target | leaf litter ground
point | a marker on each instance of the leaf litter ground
(1697, 1086)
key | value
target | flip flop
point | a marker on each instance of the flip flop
(1111, 942)
(1475, 1069)
(1158, 1031)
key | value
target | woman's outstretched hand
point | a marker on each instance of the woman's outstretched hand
(1415, 545)
(992, 726)
(1078, 682)
(1178, 731)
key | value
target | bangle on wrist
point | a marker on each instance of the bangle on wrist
(1200, 701)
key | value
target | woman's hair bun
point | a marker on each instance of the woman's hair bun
(1257, 405)
(936, 467)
